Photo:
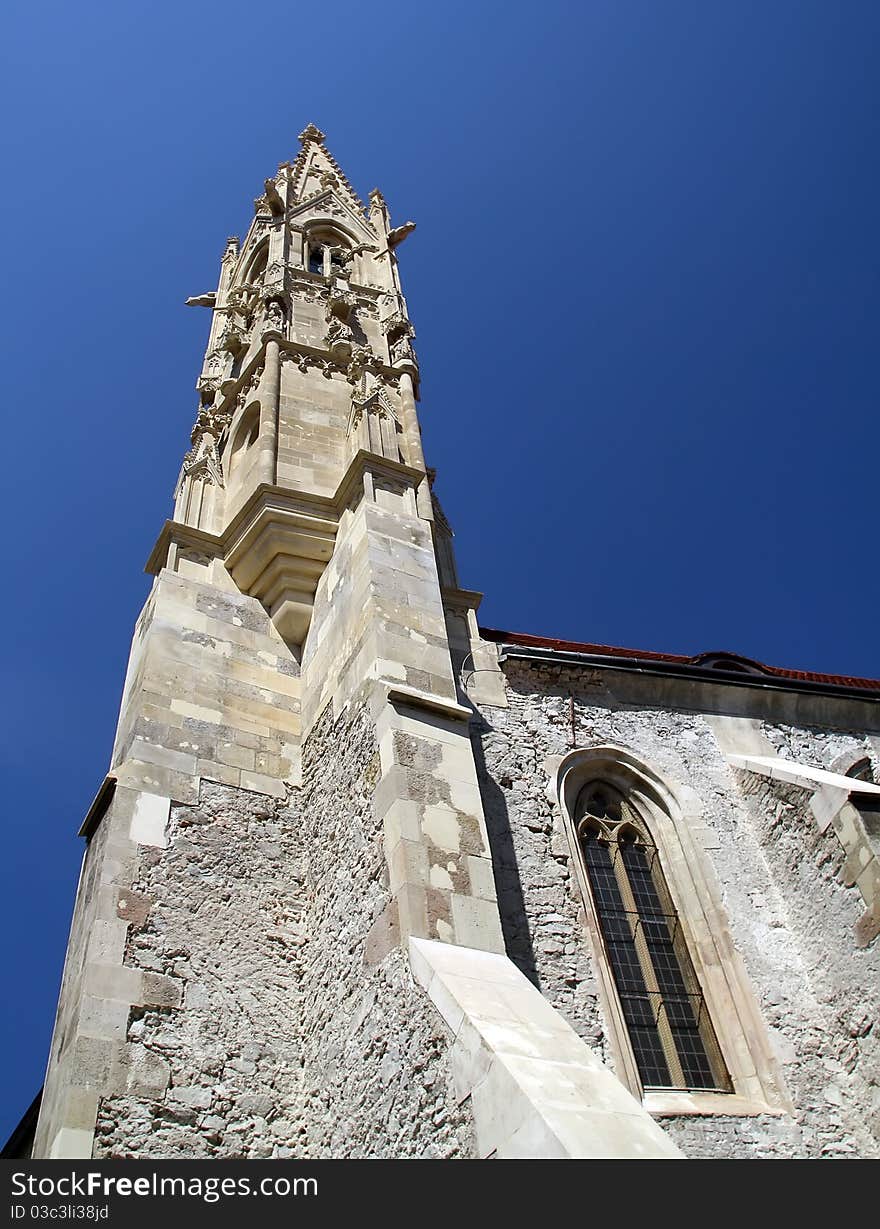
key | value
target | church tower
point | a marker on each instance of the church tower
(288, 891)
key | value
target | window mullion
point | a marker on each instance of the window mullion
(649, 973)
(703, 1022)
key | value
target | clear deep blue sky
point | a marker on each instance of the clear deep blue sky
(645, 284)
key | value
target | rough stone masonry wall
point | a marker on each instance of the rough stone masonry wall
(543, 915)
(291, 1025)
(376, 1076)
(219, 912)
(837, 1081)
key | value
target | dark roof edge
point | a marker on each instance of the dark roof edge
(529, 647)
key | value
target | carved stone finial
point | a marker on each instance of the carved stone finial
(376, 198)
(311, 133)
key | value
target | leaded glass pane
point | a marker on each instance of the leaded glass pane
(671, 1036)
(617, 931)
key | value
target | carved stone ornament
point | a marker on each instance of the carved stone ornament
(273, 278)
(273, 198)
(211, 420)
(397, 325)
(401, 350)
(311, 133)
(305, 362)
(338, 339)
(358, 364)
(340, 303)
(243, 299)
(305, 290)
(342, 258)
(207, 388)
(202, 462)
(233, 339)
(373, 402)
(274, 320)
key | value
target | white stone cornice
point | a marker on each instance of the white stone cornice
(175, 533)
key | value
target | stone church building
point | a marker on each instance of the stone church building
(369, 879)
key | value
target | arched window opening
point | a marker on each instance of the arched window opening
(257, 269)
(316, 258)
(862, 770)
(672, 1038)
(867, 805)
(245, 437)
(328, 254)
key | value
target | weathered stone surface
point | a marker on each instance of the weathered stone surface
(375, 1051)
(221, 1011)
(790, 916)
(292, 1033)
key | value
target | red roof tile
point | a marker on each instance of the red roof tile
(736, 662)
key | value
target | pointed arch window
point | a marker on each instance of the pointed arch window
(867, 805)
(316, 258)
(663, 1008)
(328, 254)
(246, 435)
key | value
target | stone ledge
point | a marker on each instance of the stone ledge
(537, 1090)
(804, 775)
(434, 703)
(707, 1105)
(460, 599)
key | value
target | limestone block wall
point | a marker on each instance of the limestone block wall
(378, 612)
(780, 945)
(312, 419)
(378, 638)
(211, 695)
(212, 691)
(69, 1105)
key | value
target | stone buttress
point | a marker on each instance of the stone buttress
(286, 940)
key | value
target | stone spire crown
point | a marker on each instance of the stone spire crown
(308, 312)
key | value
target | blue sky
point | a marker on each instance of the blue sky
(645, 284)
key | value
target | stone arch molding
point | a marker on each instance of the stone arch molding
(253, 258)
(327, 222)
(672, 811)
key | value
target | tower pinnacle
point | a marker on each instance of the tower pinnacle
(311, 133)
